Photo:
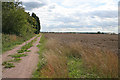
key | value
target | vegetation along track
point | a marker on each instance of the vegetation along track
(10, 52)
(26, 66)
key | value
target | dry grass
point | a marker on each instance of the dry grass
(97, 60)
(13, 37)
(56, 66)
(102, 62)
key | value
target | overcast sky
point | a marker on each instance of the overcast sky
(75, 15)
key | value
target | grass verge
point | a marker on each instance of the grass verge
(10, 41)
(42, 62)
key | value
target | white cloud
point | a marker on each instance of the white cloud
(77, 15)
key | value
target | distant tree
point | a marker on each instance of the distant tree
(38, 23)
(98, 32)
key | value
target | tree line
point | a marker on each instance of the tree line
(16, 21)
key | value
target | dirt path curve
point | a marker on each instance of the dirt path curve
(27, 65)
(13, 51)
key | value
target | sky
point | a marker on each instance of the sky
(75, 15)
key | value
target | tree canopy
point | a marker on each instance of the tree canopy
(16, 21)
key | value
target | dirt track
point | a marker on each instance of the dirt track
(13, 51)
(26, 66)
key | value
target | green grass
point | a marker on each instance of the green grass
(40, 65)
(10, 41)
(18, 55)
(77, 70)
(27, 46)
(8, 65)
(42, 61)
(15, 60)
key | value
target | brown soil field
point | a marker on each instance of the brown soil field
(103, 41)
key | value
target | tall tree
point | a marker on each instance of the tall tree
(38, 23)
(16, 21)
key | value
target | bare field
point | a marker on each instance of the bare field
(103, 41)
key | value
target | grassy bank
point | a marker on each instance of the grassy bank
(10, 41)
(64, 59)
(42, 61)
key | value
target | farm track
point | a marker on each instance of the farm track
(26, 66)
(13, 51)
